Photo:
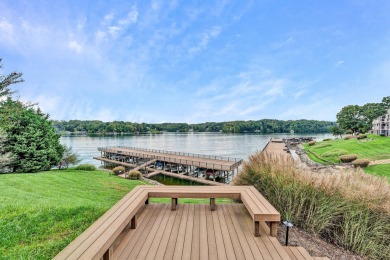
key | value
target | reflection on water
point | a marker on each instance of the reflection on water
(167, 180)
(231, 145)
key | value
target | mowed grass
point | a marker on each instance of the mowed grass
(43, 212)
(373, 148)
(379, 170)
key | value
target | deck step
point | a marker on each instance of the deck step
(297, 253)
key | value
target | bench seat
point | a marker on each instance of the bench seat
(97, 241)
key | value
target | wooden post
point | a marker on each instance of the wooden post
(133, 222)
(174, 203)
(212, 204)
(107, 255)
(256, 228)
(273, 229)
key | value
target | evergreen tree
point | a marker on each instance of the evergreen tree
(5, 157)
(31, 137)
(6, 81)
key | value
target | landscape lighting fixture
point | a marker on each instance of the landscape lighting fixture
(288, 224)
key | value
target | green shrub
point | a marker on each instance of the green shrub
(361, 163)
(311, 143)
(85, 167)
(361, 136)
(322, 145)
(348, 158)
(335, 152)
(118, 170)
(135, 175)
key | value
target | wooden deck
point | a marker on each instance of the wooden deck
(195, 232)
(136, 229)
(198, 160)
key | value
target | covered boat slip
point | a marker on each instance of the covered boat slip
(136, 229)
(125, 154)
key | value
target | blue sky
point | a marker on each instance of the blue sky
(197, 61)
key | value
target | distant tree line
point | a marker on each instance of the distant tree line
(259, 126)
(353, 119)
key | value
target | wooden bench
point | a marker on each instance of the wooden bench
(97, 241)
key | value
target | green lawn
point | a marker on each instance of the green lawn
(380, 170)
(373, 148)
(43, 212)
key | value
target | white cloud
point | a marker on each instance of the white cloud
(338, 64)
(114, 30)
(115, 27)
(275, 87)
(6, 31)
(75, 46)
(205, 39)
(155, 5)
(131, 18)
(108, 18)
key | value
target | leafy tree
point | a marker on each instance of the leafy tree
(369, 112)
(386, 102)
(5, 157)
(68, 158)
(349, 118)
(31, 137)
(6, 81)
(337, 131)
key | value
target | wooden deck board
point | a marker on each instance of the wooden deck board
(233, 233)
(195, 250)
(203, 239)
(229, 247)
(178, 249)
(241, 245)
(170, 246)
(195, 232)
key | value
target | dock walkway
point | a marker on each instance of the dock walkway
(198, 160)
(154, 172)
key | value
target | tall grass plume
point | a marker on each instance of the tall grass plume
(348, 207)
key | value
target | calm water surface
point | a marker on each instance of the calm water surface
(231, 145)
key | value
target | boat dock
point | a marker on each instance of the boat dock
(206, 169)
(277, 147)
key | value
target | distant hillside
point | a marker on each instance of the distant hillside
(260, 126)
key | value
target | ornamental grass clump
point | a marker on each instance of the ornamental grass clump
(349, 208)
(323, 145)
(362, 163)
(85, 167)
(335, 152)
(348, 158)
(118, 170)
(135, 175)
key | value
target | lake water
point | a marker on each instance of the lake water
(231, 145)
